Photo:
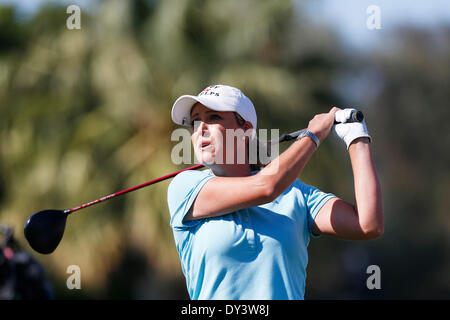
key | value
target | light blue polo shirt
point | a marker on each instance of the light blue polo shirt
(254, 253)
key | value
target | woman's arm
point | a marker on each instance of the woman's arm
(223, 195)
(364, 219)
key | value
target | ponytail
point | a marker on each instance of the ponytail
(253, 166)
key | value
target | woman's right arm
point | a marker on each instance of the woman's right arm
(223, 195)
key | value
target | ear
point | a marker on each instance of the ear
(247, 125)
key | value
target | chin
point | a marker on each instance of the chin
(209, 158)
(206, 158)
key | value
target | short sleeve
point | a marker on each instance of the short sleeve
(314, 201)
(181, 194)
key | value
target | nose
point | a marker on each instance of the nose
(200, 126)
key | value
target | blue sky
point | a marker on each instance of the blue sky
(348, 17)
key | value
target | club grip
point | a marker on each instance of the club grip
(355, 116)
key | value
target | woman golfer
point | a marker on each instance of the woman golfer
(243, 234)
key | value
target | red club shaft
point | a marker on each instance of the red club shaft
(113, 195)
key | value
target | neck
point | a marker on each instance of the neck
(235, 170)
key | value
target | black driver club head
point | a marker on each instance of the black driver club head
(45, 229)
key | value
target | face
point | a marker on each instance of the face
(209, 134)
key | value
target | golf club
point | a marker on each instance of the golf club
(45, 229)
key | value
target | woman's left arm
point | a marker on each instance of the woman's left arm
(364, 219)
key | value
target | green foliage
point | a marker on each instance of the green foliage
(87, 112)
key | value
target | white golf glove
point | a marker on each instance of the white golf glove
(351, 130)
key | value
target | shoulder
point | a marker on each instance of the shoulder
(303, 187)
(186, 181)
(297, 186)
(311, 195)
(188, 176)
(182, 191)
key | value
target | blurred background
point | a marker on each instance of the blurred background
(85, 113)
